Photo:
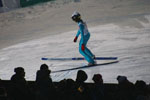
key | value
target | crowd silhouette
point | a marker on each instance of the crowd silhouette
(43, 88)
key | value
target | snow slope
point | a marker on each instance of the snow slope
(118, 28)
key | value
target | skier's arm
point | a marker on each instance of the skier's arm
(75, 39)
(78, 33)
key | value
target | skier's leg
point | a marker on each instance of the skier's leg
(86, 56)
(87, 51)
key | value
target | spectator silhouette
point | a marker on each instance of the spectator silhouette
(20, 89)
(98, 92)
(67, 90)
(125, 88)
(83, 89)
(141, 90)
(3, 93)
(97, 78)
(44, 83)
(125, 83)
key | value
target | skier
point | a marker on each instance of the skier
(85, 35)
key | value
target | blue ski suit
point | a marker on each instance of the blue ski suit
(85, 35)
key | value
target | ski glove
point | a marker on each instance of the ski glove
(75, 39)
(83, 47)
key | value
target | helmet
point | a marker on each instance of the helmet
(76, 16)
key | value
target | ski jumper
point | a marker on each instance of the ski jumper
(85, 35)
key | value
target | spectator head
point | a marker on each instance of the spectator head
(44, 67)
(81, 76)
(121, 79)
(97, 78)
(19, 71)
(140, 84)
(70, 84)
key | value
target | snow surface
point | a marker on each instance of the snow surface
(119, 29)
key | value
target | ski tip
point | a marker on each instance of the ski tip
(43, 58)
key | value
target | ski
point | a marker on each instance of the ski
(80, 58)
(86, 66)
